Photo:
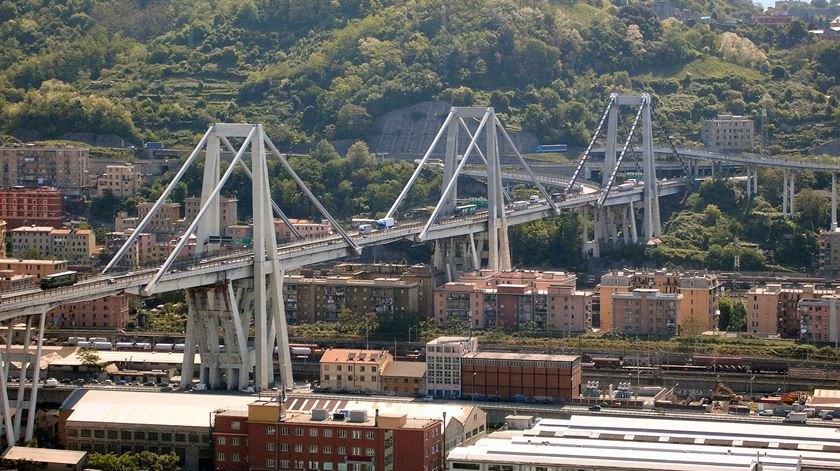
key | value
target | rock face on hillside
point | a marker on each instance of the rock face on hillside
(407, 133)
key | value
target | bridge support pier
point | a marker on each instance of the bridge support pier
(788, 192)
(833, 201)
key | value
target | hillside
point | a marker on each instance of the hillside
(164, 69)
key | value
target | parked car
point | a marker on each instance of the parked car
(166, 389)
(121, 382)
(51, 383)
(150, 384)
(828, 416)
(595, 408)
(766, 412)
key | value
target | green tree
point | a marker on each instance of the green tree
(733, 315)
(89, 357)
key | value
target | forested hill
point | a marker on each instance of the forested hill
(164, 69)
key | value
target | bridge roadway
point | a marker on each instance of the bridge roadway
(239, 265)
(752, 160)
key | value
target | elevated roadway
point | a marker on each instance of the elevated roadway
(238, 265)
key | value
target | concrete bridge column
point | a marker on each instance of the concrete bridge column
(833, 201)
(785, 178)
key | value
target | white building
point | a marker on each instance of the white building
(443, 364)
(589, 443)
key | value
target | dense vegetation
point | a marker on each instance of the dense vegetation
(163, 69)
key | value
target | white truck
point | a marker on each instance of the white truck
(364, 229)
(796, 418)
(385, 223)
(520, 205)
(534, 199)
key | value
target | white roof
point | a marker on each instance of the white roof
(149, 408)
(152, 357)
(44, 455)
(596, 442)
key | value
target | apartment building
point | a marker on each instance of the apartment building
(64, 168)
(646, 311)
(110, 312)
(321, 298)
(36, 268)
(37, 238)
(227, 211)
(443, 364)
(354, 370)
(122, 181)
(773, 309)
(26, 206)
(424, 275)
(701, 294)
(73, 245)
(165, 220)
(305, 227)
(818, 319)
(510, 299)
(728, 133)
(269, 437)
(829, 253)
(511, 376)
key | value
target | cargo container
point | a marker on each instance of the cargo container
(385, 223)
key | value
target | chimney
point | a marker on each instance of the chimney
(376, 418)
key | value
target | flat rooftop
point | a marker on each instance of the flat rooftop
(45, 455)
(596, 442)
(409, 408)
(520, 356)
(370, 421)
(115, 407)
(118, 356)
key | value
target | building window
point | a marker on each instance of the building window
(357, 434)
(327, 433)
(327, 450)
(235, 425)
(220, 457)
(298, 448)
(269, 446)
(270, 430)
(298, 432)
(313, 448)
(370, 452)
(234, 441)
(221, 440)
(313, 432)
(235, 458)
(270, 463)
(370, 435)
(341, 433)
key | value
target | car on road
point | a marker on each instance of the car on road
(828, 416)
(51, 383)
(595, 408)
(766, 412)
(121, 382)
(150, 384)
(166, 389)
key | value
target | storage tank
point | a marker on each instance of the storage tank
(163, 347)
(102, 345)
(84, 344)
(304, 351)
(179, 347)
(125, 345)
(143, 345)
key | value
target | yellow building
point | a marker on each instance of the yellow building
(37, 268)
(700, 293)
(120, 180)
(404, 378)
(74, 245)
(354, 370)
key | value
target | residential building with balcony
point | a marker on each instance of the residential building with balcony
(513, 299)
(829, 253)
(701, 294)
(773, 309)
(819, 319)
(404, 378)
(227, 211)
(64, 168)
(305, 227)
(321, 298)
(37, 238)
(646, 311)
(165, 221)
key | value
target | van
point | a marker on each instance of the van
(51, 383)
(533, 199)
(520, 205)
